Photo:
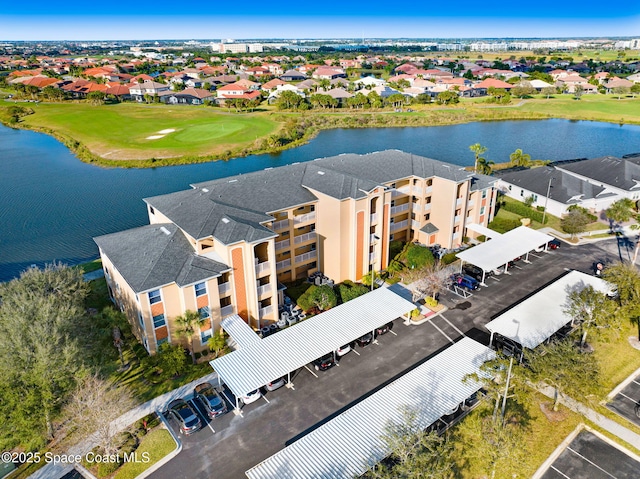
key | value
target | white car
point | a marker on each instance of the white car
(342, 350)
(252, 396)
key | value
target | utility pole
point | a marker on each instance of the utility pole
(546, 200)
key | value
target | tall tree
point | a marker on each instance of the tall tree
(575, 222)
(188, 325)
(478, 150)
(626, 279)
(622, 211)
(40, 314)
(591, 309)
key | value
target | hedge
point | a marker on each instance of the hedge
(523, 210)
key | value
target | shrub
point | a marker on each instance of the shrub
(395, 248)
(350, 291)
(198, 356)
(107, 468)
(523, 210)
(502, 225)
(415, 313)
(417, 256)
(429, 301)
(592, 218)
(448, 258)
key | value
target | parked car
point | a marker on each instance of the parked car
(342, 350)
(464, 281)
(252, 396)
(210, 400)
(275, 384)
(384, 329)
(185, 415)
(365, 340)
(553, 244)
(324, 363)
(475, 272)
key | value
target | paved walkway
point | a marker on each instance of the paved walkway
(56, 471)
(605, 423)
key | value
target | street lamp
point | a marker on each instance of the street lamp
(376, 238)
(546, 200)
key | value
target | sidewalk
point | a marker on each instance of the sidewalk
(605, 423)
(585, 238)
(56, 471)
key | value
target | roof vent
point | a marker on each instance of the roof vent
(165, 230)
(321, 172)
(225, 220)
(232, 181)
(206, 190)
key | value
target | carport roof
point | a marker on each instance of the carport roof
(240, 331)
(497, 252)
(348, 445)
(524, 324)
(483, 230)
(253, 366)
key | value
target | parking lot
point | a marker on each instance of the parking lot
(589, 457)
(269, 424)
(627, 401)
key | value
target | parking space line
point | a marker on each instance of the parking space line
(634, 401)
(590, 462)
(231, 403)
(268, 402)
(495, 279)
(452, 325)
(395, 334)
(353, 349)
(634, 381)
(441, 331)
(204, 415)
(559, 472)
(307, 368)
(534, 255)
(518, 267)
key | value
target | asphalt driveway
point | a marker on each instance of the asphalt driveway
(625, 402)
(240, 442)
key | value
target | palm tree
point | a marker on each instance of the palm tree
(478, 150)
(188, 324)
(518, 158)
(484, 166)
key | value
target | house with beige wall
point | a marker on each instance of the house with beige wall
(227, 246)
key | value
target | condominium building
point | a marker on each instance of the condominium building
(227, 246)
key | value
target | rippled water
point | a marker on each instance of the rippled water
(52, 205)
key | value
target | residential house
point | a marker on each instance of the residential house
(616, 82)
(328, 73)
(188, 96)
(226, 246)
(147, 87)
(293, 75)
(236, 91)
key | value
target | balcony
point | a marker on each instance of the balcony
(399, 225)
(470, 203)
(280, 225)
(456, 219)
(373, 219)
(224, 288)
(399, 209)
(262, 312)
(396, 193)
(282, 244)
(305, 237)
(226, 310)
(427, 207)
(303, 258)
(459, 201)
(304, 218)
(408, 189)
(415, 224)
(262, 267)
(264, 289)
(372, 258)
(428, 189)
(280, 265)
(456, 235)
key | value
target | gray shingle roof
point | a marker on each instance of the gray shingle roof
(429, 228)
(608, 170)
(566, 188)
(155, 255)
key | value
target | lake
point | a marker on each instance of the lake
(52, 204)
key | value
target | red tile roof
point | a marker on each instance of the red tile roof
(495, 83)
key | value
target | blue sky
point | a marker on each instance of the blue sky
(43, 20)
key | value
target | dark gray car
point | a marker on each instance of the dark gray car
(210, 400)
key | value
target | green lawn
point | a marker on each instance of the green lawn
(157, 444)
(122, 131)
(589, 107)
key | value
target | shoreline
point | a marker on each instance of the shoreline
(312, 124)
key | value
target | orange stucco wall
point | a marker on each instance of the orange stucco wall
(359, 243)
(237, 263)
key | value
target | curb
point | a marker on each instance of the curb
(84, 472)
(544, 467)
(623, 384)
(169, 456)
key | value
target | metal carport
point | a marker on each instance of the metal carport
(240, 331)
(254, 365)
(504, 248)
(348, 445)
(538, 317)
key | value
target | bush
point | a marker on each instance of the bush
(198, 356)
(502, 225)
(105, 469)
(416, 257)
(321, 297)
(429, 301)
(523, 210)
(395, 248)
(448, 258)
(349, 290)
(592, 218)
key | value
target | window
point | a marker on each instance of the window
(393, 203)
(458, 212)
(429, 182)
(204, 312)
(201, 288)
(205, 336)
(482, 210)
(484, 193)
(427, 217)
(522, 193)
(226, 301)
(159, 321)
(428, 200)
(162, 341)
(154, 296)
(151, 210)
(509, 187)
(141, 320)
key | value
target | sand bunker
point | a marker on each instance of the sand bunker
(154, 137)
(168, 130)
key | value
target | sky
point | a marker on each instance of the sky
(288, 19)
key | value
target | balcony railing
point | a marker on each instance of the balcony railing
(456, 235)
(399, 209)
(415, 224)
(372, 258)
(262, 267)
(282, 244)
(305, 237)
(262, 312)
(226, 310)
(264, 289)
(302, 258)
(224, 288)
(373, 219)
(428, 189)
(407, 190)
(427, 206)
(470, 203)
(459, 201)
(283, 264)
(396, 193)
(399, 225)
(304, 218)
(280, 225)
